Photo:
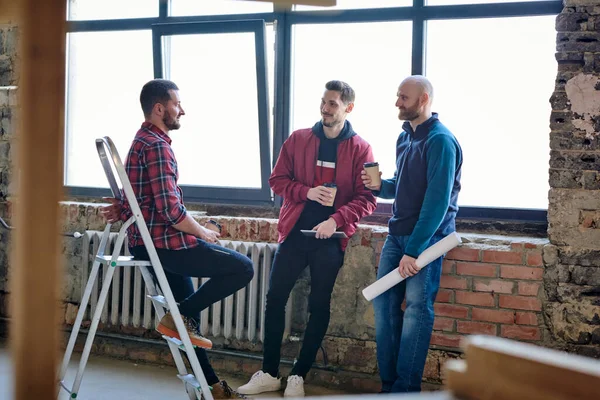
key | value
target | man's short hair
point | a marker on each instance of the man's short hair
(347, 93)
(156, 91)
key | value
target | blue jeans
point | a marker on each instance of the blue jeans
(403, 336)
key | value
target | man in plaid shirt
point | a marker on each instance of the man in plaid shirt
(186, 249)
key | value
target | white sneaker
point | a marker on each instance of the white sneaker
(259, 383)
(295, 386)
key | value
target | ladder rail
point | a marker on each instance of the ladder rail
(102, 145)
(196, 385)
(160, 312)
(82, 308)
(106, 284)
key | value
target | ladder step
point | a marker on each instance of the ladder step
(64, 386)
(158, 299)
(190, 379)
(175, 341)
(123, 261)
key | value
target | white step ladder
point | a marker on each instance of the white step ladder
(194, 383)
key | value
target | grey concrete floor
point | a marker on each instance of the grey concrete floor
(106, 378)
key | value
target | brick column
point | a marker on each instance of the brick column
(8, 80)
(572, 261)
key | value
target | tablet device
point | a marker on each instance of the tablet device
(336, 235)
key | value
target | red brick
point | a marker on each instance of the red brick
(476, 328)
(451, 282)
(444, 296)
(448, 310)
(443, 339)
(520, 332)
(447, 267)
(500, 316)
(527, 318)
(516, 246)
(475, 299)
(529, 288)
(477, 269)
(379, 247)
(531, 246)
(510, 272)
(463, 254)
(502, 257)
(534, 259)
(520, 303)
(496, 286)
(443, 324)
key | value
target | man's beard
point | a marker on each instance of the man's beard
(331, 123)
(409, 114)
(171, 123)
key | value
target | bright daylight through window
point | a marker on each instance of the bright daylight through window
(493, 71)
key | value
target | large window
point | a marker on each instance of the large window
(496, 102)
(111, 9)
(217, 7)
(359, 55)
(105, 72)
(358, 4)
(250, 74)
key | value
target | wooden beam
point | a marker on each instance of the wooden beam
(8, 11)
(35, 261)
(502, 369)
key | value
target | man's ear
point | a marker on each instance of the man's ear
(158, 109)
(424, 98)
(349, 107)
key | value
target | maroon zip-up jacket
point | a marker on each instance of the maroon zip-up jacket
(294, 174)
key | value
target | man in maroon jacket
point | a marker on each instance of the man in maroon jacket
(310, 161)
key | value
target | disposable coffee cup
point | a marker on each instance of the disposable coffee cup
(372, 169)
(333, 188)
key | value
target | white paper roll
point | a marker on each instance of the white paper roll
(430, 254)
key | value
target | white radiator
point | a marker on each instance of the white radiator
(240, 316)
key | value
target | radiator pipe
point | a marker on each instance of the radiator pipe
(229, 353)
(69, 234)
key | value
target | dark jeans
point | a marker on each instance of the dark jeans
(229, 271)
(325, 258)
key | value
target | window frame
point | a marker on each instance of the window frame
(284, 19)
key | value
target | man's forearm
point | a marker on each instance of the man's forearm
(189, 225)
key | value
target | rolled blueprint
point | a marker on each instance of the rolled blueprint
(430, 254)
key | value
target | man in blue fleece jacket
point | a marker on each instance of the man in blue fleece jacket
(425, 190)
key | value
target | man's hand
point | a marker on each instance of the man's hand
(208, 235)
(407, 266)
(368, 182)
(325, 229)
(111, 213)
(320, 194)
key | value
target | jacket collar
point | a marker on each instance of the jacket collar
(423, 129)
(149, 126)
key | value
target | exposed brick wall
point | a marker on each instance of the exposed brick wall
(489, 285)
(572, 273)
(8, 55)
(491, 291)
(8, 103)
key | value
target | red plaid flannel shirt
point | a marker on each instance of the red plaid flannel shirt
(152, 169)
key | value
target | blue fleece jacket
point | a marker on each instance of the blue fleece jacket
(426, 184)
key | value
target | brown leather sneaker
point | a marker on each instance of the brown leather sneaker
(167, 327)
(222, 390)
